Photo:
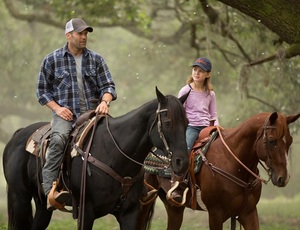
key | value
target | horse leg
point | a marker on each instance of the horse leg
(147, 206)
(19, 209)
(128, 219)
(215, 219)
(42, 216)
(175, 214)
(146, 214)
(249, 220)
(89, 217)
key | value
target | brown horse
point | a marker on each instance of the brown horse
(229, 178)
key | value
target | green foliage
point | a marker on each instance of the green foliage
(108, 12)
(138, 65)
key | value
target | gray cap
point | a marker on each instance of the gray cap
(77, 25)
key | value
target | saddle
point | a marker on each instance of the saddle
(38, 143)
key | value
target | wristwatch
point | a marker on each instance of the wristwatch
(107, 102)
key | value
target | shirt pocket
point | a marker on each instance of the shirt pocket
(62, 80)
(90, 78)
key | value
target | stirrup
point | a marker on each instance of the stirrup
(57, 200)
(150, 196)
(170, 198)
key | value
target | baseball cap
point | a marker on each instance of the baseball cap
(203, 63)
(77, 25)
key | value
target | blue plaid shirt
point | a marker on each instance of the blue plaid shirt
(57, 80)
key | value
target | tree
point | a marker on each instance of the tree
(237, 34)
(142, 18)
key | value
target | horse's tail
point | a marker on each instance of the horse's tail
(17, 210)
(15, 219)
(148, 217)
(10, 211)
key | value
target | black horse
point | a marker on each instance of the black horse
(120, 143)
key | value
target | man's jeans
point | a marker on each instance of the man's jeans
(60, 133)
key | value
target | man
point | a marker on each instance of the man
(68, 79)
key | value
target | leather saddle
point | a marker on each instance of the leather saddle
(38, 143)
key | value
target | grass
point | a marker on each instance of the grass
(281, 213)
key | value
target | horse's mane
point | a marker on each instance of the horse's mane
(175, 115)
(259, 119)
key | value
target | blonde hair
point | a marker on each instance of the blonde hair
(207, 85)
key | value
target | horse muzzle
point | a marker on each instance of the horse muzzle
(280, 180)
(180, 165)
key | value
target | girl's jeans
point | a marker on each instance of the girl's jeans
(192, 133)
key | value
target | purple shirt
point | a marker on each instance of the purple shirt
(200, 107)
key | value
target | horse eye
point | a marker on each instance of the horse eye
(272, 142)
(167, 123)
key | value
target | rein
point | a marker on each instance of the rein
(162, 137)
(83, 177)
(247, 186)
(240, 162)
(264, 135)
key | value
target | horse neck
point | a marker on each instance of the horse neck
(244, 138)
(130, 131)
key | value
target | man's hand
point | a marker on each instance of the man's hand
(102, 108)
(64, 113)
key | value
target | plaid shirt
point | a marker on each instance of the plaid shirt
(57, 80)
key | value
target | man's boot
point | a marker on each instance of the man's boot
(55, 199)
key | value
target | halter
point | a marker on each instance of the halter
(161, 135)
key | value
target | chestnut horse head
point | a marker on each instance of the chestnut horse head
(272, 145)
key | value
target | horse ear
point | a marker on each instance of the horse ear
(184, 97)
(160, 97)
(273, 117)
(291, 119)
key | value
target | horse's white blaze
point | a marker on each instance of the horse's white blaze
(287, 167)
(284, 140)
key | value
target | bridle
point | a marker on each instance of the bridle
(159, 126)
(264, 136)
